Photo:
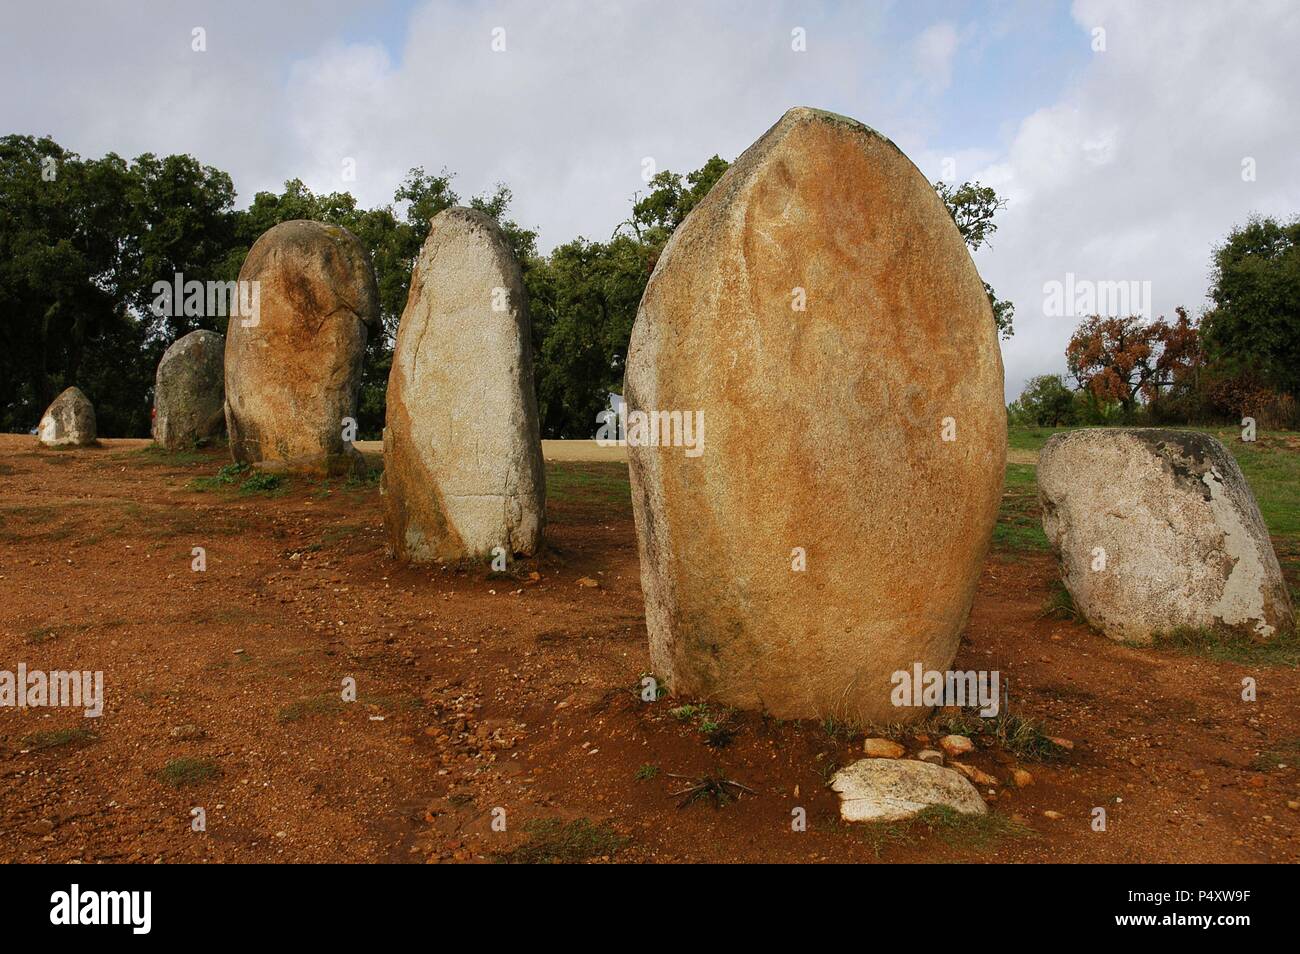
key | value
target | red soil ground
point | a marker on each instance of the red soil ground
(480, 693)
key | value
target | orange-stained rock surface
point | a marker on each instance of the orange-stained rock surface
(824, 429)
(293, 368)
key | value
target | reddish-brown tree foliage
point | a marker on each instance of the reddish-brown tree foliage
(1127, 360)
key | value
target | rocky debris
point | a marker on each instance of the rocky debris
(978, 776)
(930, 755)
(956, 744)
(883, 749)
(894, 790)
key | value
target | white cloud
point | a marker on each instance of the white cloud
(935, 48)
(1136, 173)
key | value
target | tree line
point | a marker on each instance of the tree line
(83, 241)
(1240, 358)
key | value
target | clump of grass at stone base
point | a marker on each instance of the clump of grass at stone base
(1024, 738)
(1283, 649)
(242, 477)
(950, 826)
(554, 841)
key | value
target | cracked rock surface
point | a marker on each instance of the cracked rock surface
(821, 311)
(1157, 529)
(293, 369)
(463, 470)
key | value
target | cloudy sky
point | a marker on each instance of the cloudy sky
(1116, 130)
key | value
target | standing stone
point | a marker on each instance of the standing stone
(69, 421)
(1157, 530)
(190, 391)
(820, 309)
(293, 367)
(463, 471)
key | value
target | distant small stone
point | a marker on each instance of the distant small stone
(187, 733)
(930, 755)
(1055, 816)
(69, 421)
(956, 744)
(1022, 778)
(883, 749)
(1062, 743)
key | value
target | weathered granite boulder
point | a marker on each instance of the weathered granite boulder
(463, 470)
(190, 391)
(819, 317)
(886, 790)
(294, 366)
(69, 421)
(1157, 530)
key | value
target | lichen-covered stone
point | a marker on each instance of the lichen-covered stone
(292, 373)
(820, 309)
(463, 470)
(190, 391)
(1157, 530)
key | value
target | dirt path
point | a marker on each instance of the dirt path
(477, 694)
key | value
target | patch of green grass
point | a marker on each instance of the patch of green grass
(552, 841)
(1286, 752)
(600, 484)
(303, 708)
(1024, 738)
(57, 737)
(1060, 604)
(974, 832)
(1031, 438)
(227, 476)
(262, 483)
(1232, 646)
(1019, 526)
(716, 725)
(364, 481)
(157, 454)
(839, 730)
(184, 772)
(646, 772)
(45, 634)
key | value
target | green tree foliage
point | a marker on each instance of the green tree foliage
(79, 255)
(972, 207)
(81, 242)
(1046, 401)
(1252, 332)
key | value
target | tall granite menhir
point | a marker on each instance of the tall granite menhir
(293, 367)
(463, 471)
(820, 308)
